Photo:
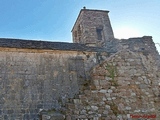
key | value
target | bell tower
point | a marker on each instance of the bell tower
(92, 28)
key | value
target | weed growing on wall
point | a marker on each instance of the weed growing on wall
(112, 72)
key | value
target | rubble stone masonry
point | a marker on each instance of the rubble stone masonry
(98, 77)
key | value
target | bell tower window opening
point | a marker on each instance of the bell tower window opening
(99, 33)
(75, 34)
(79, 30)
(79, 33)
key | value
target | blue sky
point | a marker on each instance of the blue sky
(52, 20)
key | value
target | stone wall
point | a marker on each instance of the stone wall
(138, 44)
(56, 81)
(124, 86)
(35, 81)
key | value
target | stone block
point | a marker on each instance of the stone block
(103, 91)
(96, 82)
(94, 108)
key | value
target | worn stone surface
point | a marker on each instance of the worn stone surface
(34, 80)
(121, 95)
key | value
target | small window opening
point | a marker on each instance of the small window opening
(79, 30)
(79, 33)
(75, 34)
(99, 33)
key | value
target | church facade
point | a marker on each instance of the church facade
(97, 77)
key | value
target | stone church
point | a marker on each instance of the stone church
(97, 77)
